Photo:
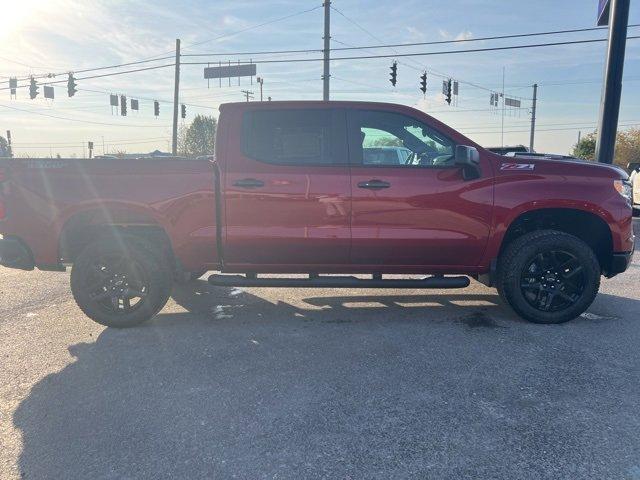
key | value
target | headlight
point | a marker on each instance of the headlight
(624, 188)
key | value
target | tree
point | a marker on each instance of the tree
(627, 147)
(199, 138)
(586, 147)
(4, 147)
(387, 142)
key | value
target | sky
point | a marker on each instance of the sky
(39, 37)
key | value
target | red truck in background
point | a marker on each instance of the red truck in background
(290, 191)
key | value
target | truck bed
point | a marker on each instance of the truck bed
(60, 195)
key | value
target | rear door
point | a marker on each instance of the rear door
(421, 212)
(287, 190)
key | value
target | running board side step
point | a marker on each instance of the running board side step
(318, 281)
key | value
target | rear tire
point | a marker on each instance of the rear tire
(548, 276)
(121, 282)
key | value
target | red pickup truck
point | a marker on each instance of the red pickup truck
(290, 191)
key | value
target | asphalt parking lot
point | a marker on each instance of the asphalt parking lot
(336, 384)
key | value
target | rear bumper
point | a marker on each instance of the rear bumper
(15, 254)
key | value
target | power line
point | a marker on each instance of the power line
(370, 34)
(564, 124)
(79, 120)
(110, 142)
(160, 56)
(426, 54)
(275, 20)
(466, 40)
(45, 145)
(148, 99)
(55, 82)
(391, 45)
(545, 130)
(94, 69)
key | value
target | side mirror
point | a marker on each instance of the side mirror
(469, 159)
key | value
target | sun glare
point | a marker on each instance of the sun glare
(16, 13)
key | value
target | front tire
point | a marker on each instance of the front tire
(549, 276)
(121, 282)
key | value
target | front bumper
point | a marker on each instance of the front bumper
(15, 254)
(619, 263)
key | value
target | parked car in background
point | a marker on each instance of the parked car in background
(553, 156)
(508, 149)
(385, 155)
(634, 170)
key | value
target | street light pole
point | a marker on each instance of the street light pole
(176, 90)
(612, 88)
(327, 50)
(533, 117)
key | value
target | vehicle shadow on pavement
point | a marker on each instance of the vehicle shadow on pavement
(352, 386)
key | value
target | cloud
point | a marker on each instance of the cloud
(464, 35)
(415, 35)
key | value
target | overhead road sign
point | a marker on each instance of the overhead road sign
(49, 92)
(603, 12)
(231, 71)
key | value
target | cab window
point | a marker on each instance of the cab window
(393, 139)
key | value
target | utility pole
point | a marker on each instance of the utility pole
(247, 94)
(9, 150)
(327, 46)
(612, 89)
(533, 117)
(504, 106)
(260, 81)
(176, 89)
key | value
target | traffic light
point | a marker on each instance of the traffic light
(123, 105)
(183, 111)
(33, 89)
(448, 94)
(394, 74)
(156, 108)
(71, 85)
(423, 83)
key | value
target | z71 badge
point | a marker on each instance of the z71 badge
(518, 166)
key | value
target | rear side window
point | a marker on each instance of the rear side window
(289, 137)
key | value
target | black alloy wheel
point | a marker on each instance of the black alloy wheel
(553, 281)
(117, 283)
(121, 281)
(548, 276)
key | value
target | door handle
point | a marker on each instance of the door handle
(374, 185)
(249, 183)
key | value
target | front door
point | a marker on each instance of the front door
(416, 209)
(287, 191)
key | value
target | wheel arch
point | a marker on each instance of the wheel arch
(90, 224)
(585, 224)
